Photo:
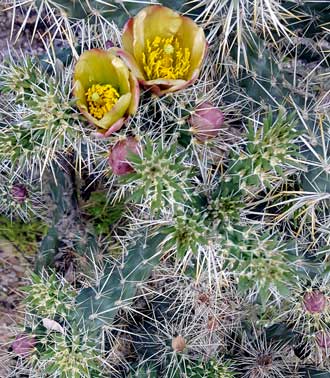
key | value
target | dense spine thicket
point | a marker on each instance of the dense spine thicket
(206, 252)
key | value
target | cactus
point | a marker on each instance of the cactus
(211, 369)
(267, 150)
(145, 371)
(71, 356)
(159, 175)
(117, 11)
(47, 297)
(316, 177)
(41, 124)
(190, 239)
(65, 203)
(264, 78)
(99, 305)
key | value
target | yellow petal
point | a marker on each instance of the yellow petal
(116, 112)
(184, 84)
(130, 62)
(127, 37)
(115, 127)
(95, 67)
(150, 22)
(79, 94)
(122, 74)
(192, 37)
(164, 82)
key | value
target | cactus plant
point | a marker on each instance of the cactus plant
(186, 232)
(99, 305)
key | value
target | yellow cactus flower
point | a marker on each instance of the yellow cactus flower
(164, 50)
(105, 90)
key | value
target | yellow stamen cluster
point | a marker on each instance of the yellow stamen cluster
(164, 58)
(100, 99)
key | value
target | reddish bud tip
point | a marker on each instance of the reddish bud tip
(19, 193)
(314, 302)
(206, 121)
(109, 44)
(323, 339)
(178, 344)
(118, 156)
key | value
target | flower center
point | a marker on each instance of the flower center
(100, 99)
(164, 58)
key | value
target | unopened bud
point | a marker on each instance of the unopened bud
(118, 156)
(314, 301)
(19, 193)
(109, 44)
(323, 339)
(178, 344)
(206, 121)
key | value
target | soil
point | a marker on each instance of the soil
(13, 265)
(11, 35)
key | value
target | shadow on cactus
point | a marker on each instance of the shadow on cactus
(118, 287)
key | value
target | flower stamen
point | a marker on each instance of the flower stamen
(101, 99)
(164, 58)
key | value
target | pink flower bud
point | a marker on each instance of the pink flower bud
(178, 344)
(19, 193)
(23, 345)
(206, 121)
(109, 44)
(118, 156)
(314, 301)
(323, 339)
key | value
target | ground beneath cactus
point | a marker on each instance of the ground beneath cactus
(13, 267)
(13, 264)
(8, 28)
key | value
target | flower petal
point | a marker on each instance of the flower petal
(95, 67)
(162, 86)
(163, 82)
(192, 37)
(122, 74)
(135, 90)
(116, 112)
(79, 94)
(52, 325)
(115, 127)
(150, 22)
(178, 87)
(128, 36)
(130, 62)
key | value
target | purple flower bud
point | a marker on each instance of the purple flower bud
(118, 156)
(323, 339)
(109, 44)
(19, 193)
(23, 345)
(206, 121)
(314, 301)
